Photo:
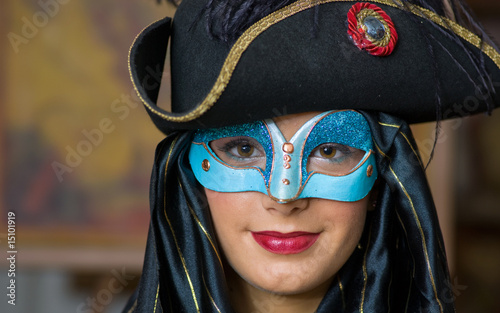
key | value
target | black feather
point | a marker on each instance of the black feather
(228, 19)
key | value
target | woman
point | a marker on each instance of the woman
(289, 180)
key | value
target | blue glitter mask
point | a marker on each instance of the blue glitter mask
(329, 157)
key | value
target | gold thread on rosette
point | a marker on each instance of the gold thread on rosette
(259, 27)
(360, 17)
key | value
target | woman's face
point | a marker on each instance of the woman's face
(286, 248)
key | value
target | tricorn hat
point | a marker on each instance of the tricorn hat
(316, 55)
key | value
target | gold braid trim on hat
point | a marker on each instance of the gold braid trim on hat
(263, 24)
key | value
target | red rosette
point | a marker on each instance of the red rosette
(365, 19)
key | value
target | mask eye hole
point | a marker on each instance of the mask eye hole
(239, 151)
(334, 159)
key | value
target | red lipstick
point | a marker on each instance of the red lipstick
(289, 243)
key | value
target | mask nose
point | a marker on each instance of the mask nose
(285, 181)
(286, 174)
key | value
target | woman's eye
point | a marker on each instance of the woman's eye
(329, 151)
(334, 159)
(239, 151)
(244, 149)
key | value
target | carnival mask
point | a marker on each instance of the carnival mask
(329, 157)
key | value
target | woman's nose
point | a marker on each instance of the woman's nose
(285, 208)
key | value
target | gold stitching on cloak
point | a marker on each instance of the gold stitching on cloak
(409, 292)
(439, 242)
(158, 287)
(412, 275)
(133, 307)
(365, 274)
(389, 125)
(412, 148)
(259, 27)
(203, 229)
(206, 234)
(208, 292)
(406, 235)
(380, 150)
(172, 230)
(407, 140)
(443, 251)
(183, 263)
(424, 245)
(341, 287)
(156, 298)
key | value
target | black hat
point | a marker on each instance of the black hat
(379, 55)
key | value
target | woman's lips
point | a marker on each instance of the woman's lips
(289, 243)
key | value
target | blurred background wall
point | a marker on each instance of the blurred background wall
(77, 151)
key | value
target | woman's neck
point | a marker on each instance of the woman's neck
(246, 298)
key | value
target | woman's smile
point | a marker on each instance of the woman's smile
(285, 243)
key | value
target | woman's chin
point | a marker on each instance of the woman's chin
(290, 284)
